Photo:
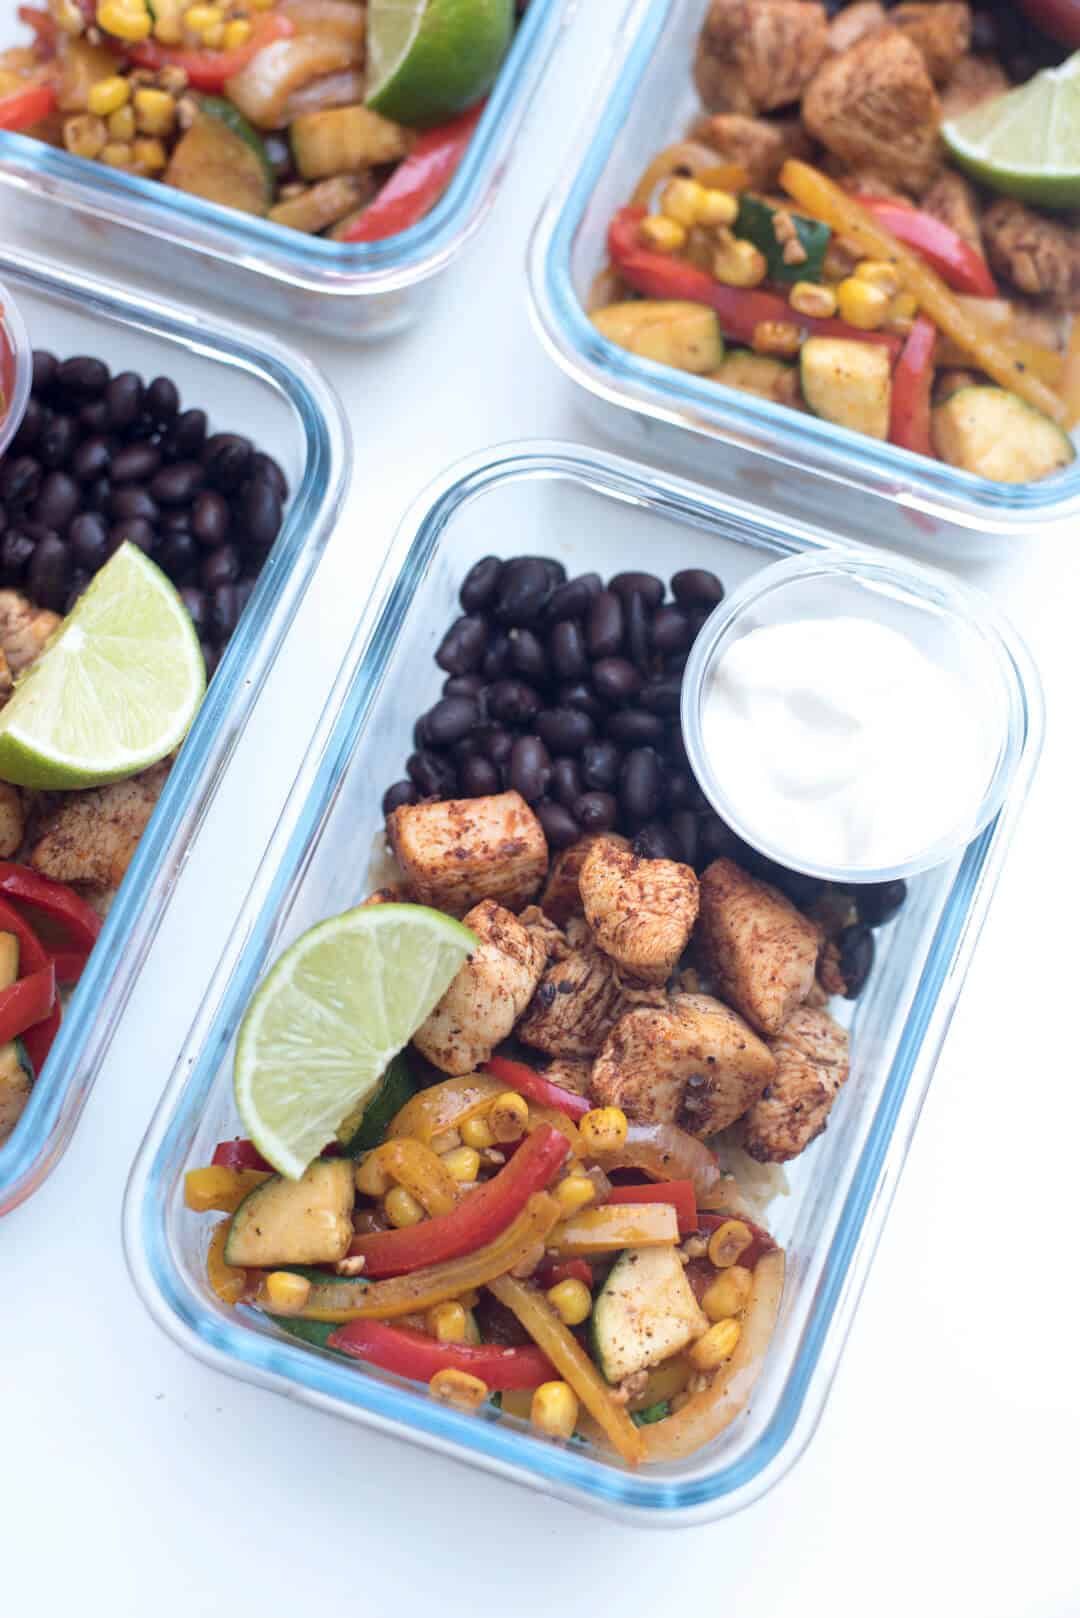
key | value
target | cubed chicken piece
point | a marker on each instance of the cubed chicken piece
(1034, 323)
(24, 629)
(754, 55)
(12, 820)
(92, 836)
(760, 951)
(760, 145)
(575, 1006)
(812, 1059)
(455, 853)
(1040, 256)
(875, 107)
(488, 995)
(974, 79)
(561, 898)
(693, 1062)
(940, 30)
(7, 680)
(853, 23)
(641, 912)
(15, 1089)
(952, 199)
(394, 894)
(551, 938)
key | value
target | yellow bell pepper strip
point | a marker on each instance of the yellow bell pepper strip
(817, 195)
(219, 1188)
(666, 1152)
(419, 1290)
(445, 1106)
(572, 1363)
(539, 1116)
(1070, 382)
(613, 1227)
(229, 1281)
(692, 158)
(420, 1171)
(997, 317)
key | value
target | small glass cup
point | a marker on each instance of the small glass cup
(957, 629)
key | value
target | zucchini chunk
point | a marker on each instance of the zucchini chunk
(305, 1221)
(762, 374)
(998, 435)
(848, 382)
(645, 1312)
(669, 331)
(222, 159)
(16, 1072)
(366, 1126)
(756, 222)
(344, 138)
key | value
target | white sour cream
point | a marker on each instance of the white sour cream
(841, 744)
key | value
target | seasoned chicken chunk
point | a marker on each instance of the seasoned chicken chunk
(853, 23)
(91, 836)
(754, 55)
(952, 199)
(575, 1006)
(394, 894)
(876, 107)
(14, 1094)
(812, 1055)
(760, 951)
(24, 629)
(455, 853)
(1040, 256)
(12, 820)
(941, 30)
(641, 912)
(552, 939)
(974, 79)
(488, 995)
(561, 897)
(692, 1061)
(760, 145)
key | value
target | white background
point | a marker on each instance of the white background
(942, 1477)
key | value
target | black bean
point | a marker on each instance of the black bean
(265, 467)
(640, 782)
(604, 630)
(45, 367)
(49, 574)
(662, 696)
(123, 399)
(569, 652)
(16, 549)
(20, 480)
(185, 438)
(433, 775)
(463, 685)
(77, 586)
(162, 399)
(513, 702)
(856, 946)
(480, 584)
(142, 430)
(135, 463)
(132, 531)
(637, 631)
(34, 419)
(527, 655)
(211, 657)
(616, 680)
(572, 600)
(564, 730)
(420, 735)
(530, 768)
(496, 661)
(91, 459)
(131, 501)
(525, 587)
(670, 630)
(402, 792)
(684, 826)
(462, 647)
(260, 513)
(496, 743)
(600, 763)
(803, 891)
(57, 501)
(559, 826)
(209, 518)
(579, 694)
(220, 567)
(698, 617)
(657, 842)
(643, 584)
(89, 541)
(82, 375)
(178, 554)
(96, 495)
(227, 458)
(196, 604)
(58, 440)
(224, 610)
(451, 719)
(595, 811)
(680, 789)
(676, 664)
(717, 841)
(567, 784)
(697, 587)
(176, 521)
(94, 417)
(245, 589)
(465, 747)
(175, 485)
(479, 777)
(877, 902)
(675, 747)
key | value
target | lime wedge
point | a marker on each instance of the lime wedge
(1027, 143)
(430, 59)
(114, 692)
(335, 1009)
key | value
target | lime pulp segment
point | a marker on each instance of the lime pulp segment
(429, 60)
(1026, 143)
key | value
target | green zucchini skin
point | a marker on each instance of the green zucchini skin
(756, 222)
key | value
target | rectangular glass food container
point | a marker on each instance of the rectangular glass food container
(793, 462)
(592, 511)
(290, 411)
(363, 290)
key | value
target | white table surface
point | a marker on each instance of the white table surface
(942, 1476)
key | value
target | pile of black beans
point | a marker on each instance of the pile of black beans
(102, 458)
(568, 691)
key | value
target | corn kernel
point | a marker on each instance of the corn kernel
(122, 124)
(458, 1388)
(125, 20)
(155, 112)
(117, 154)
(150, 155)
(199, 17)
(401, 1207)
(862, 304)
(462, 1164)
(448, 1141)
(738, 263)
(571, 1300)
(508, 1116)
(683, 200)
(905, 306)
(287, 1293)
(554, 1409)
(717, 1345)
(261, 5)
(69, 19)
(448, 1322)
(661, 234)
(167, 30)
(718, 208)
(237, 33)
(475, 1133)
(728, 1242)
(604, 1129)
(85, 135)
(371, 1178)
(782, 337)
(878, 272)
(573, 1194)
(808, 298)
(213, 37)
(108, 95)
(728, 1293)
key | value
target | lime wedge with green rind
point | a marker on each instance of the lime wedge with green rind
(429, 60)
(1026, 144)
(332, 1013)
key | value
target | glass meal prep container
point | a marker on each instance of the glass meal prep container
(85, 209)
(794, 463)
(590, 510)
(294, 414)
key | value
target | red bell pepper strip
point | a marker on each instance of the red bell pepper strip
(33, 957)
(412, 1354)
(534, 1087)
(26, 1002)
(69, 965)
(239, 1154)
(913, 378)
(762, 1242)
(568, 1269)
(208, 70)
(679, 1193)
(418, 182)
(478, 1218)
(56, 899)
(26, 107)
(958, 263)
(740, 310)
